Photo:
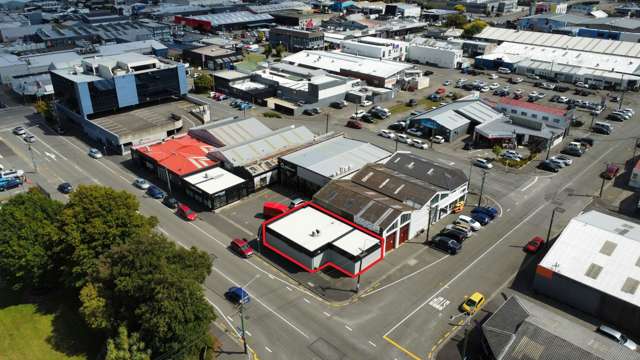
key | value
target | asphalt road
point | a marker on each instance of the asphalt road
(406, 318)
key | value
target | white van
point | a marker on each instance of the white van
(504, 70)
(604, 125)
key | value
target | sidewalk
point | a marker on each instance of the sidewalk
(229, 347)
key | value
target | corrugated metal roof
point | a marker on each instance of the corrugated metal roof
(232, 18)
(229, 132)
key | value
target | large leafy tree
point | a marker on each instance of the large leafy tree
(28, 232)
(456, 20)
(474, 28)
(203, 83)
(155, 288)
(127, 347)
(95, 219)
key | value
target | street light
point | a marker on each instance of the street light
(242, 292)
(553, 214)
(484, 175)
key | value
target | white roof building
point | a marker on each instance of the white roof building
(214, 180)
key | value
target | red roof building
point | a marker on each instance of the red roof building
(549, 115)
(180, 155)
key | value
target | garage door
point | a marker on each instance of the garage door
(404, 233)
(390, 242)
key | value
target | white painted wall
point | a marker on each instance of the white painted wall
(445, 58)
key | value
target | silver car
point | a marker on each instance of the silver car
(617, 336)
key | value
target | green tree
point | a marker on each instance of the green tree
(280, 49)
(156, 288)
(28, 232)
(127, 347)
(44, 108)
(203, 83)
(267, 50)
(473, 28)
(456, 20)
(95, 219)
(260, 37)
(460, 8)
(94, 307)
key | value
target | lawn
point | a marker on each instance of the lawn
(42, 328)
(250, 62)
(423, 103)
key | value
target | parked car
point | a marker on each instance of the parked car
(437, 139)
(365, 103)
(10, 183)
(387, 134)
(601, 130)
(481, 218)
(549, 166)
(617, 336)
(242, 247)
(573, 151)
(473, 303)
(558, 163)
(460, 227)
(396, 126)
(419, 144)
(141, 184)
(504, 70)
(534, 244)
(446, 83)
(312, 111)
(296, 202)
(237, 295)
(245, 106)
(338, 104)
(533, 76)
(616, 117)
(516, 80)
(464, 219)
(456, 234)
(368, 118)
(186, 212)
(482, 163)
(19, 130)
(493, 76)
(95, 153)
(412, 102)
(403, 138)
(445, 243)
(65, 188)
(611, 171)
(155, 192)
(563, 158)
(489, 211)
(271, 209)
(29, 138)
(582, 85)
(485, 89)
(170, 202)
(415, 132)
(354, 124)
(358, 114)
(511, 155)
(11, 173)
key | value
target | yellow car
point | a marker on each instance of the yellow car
(473, 303)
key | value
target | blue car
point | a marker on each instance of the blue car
(9, 183)
(483, 219)
(155, 192)
(488, 211)
(245, 106)
(237, 295)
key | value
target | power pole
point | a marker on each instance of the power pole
(553, 215)
(429, 223)
(33, 160)
(166, 172)
(624, 88)
(484, 175)
(326, 125)
(548, 148)
(244, 339)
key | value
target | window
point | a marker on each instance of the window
(103, 95)
(630, 286)
(523, 113)
(535, 116)
(404, 218)
(557, 121)
(545, 118)
(514, 111)
(608, 247)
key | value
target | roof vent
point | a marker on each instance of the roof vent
(593, 271)
(608, 247)
(630, 286)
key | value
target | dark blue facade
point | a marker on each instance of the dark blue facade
(599, 34)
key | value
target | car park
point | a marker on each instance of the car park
(419, 144)
(186, 212)
(446, 244)
(617, 336)
(141, 184)
(547, 165)
(155, 192)
(65, 188)
(95, 153)
(387, 134)
(19, 130)
(534, 244)
(489, 211)
(237, 295)
(473, 303)
(10, 183)
(241, 247)
(437, 139)
(354, 124)
(464, 219)
(482, 163)
(170, 202)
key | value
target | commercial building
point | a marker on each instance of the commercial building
(486, 7)
(216, 187)
(403, 10)
(436, 53)
(314, 239)
(237, 20)
(174, 158)
(552, 22)
(303, 19)
(634, 179)
(212, 57)
(455, 120)
(279, 7)
(296, 39)
(377, 48)
(593, 267)
(521, 329)
(326, 159)
(380, 73)
(536, 116)
(96, 94)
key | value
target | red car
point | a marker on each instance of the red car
(271, 209)
(612, 171)
(186, 213)
(441, 91)
(534, 245)
(242, 247)
(354, 124)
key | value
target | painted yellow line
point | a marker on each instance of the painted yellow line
(409, 353)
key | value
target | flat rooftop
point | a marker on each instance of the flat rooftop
(336, 62)
(312, 229)
(214, 180)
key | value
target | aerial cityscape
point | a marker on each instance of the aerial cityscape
(319, 179)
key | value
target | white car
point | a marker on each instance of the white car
(403, 139)
(563, 99)
(11, 173)
(629, 110)
(365, 103)
(517, 80)
(533, 76)
(565, 159)
(419, 144)
(518, 92)
(141, 184)
(482, 163)
(464, 219)
(533, 94)
(29, 138)
(446, 83)
(19, 131)
(387, 134)
(95, 153)
(358, 114)
(558, 163)
(494, 86)
(437, 139)
(414, 132)
(493, 76)
(511, 155)
(582, 85)
(485, 89)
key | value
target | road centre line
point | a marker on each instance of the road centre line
(261, 302)
(306, 300)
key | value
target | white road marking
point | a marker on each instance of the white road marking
(271, 276)
(348, 328)
(530, 184)
(288, 288)
(372, 344)
(326, 313)
(245, 230)
(307, 301)
(181, 244)
(69, 161)
(447, 162)
(439, 303)
(230, 318)
(53, 156)
(247, 332)
(269, 350)
(509, 209)
(407, 276)
(36, 150)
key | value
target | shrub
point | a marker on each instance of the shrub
(272, 114)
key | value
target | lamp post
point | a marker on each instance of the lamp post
(166, 172)
(360, 267)
(484, 175)
(603, 180)
(326, 125)
(33, 159)
(553, 214)
(242, 294)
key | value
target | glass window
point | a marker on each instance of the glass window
(65, 92)
(514, 111)
(523, 113)
(545, 118)
(157, 85)
(103, 95)
(535, 116)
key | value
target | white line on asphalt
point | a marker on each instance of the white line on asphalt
(248, 333)
(535, 179)
(372, 344)
(407, 276)
(69, 161)
(307, 301)
(262, 303)
(326, 313)
(236, 225)
(464, 270)
(509, 209)
(36, 151)
(447, 162)
(269, 350)
(288, 288)
(271, 276)
(348, 328)
(230, 318)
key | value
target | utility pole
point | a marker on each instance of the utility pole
(396, 139)
(548, 148)
(326, 125)
(470, 168)
(166, 172)
(624, 88)
(33, 160)
(429, 222)
(484, 175)
(360, 267)
(553, 214)
(593, 118)
(244, 339)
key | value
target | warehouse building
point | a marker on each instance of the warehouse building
(486, 7)
(216, 187)
(377, 48)
(593, 267)
(314, 239)
(521, 329)
(403, 10)
(228, 21)
(331, 158)
(379, 73)
(435, 53)
(212, 57)
(296, 39)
